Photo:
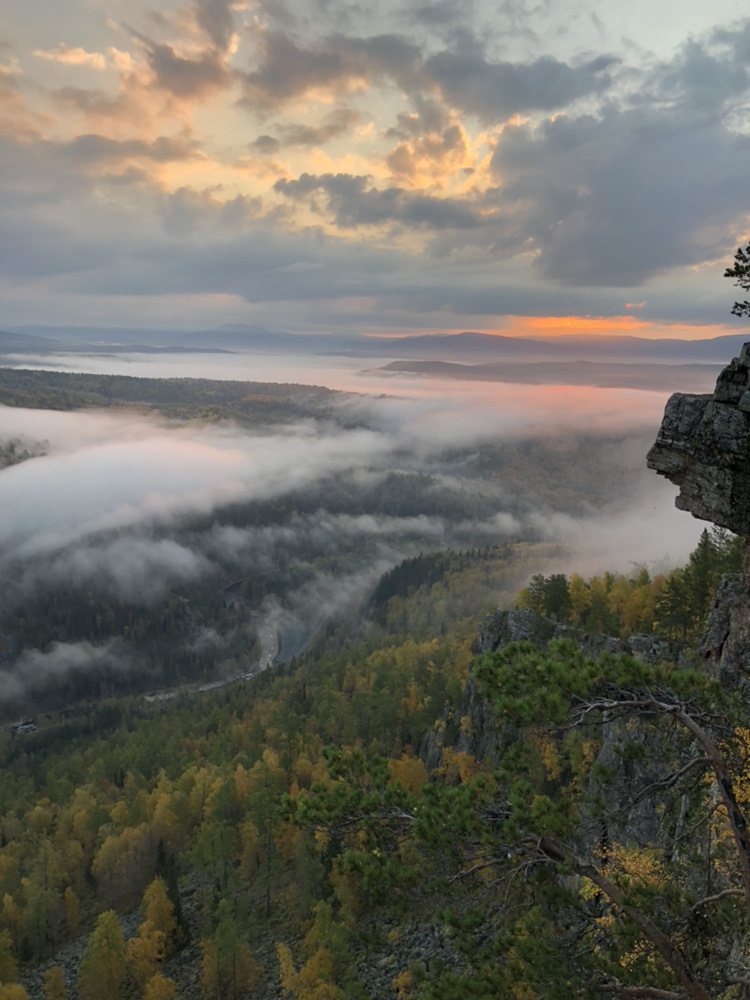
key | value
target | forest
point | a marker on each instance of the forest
(115, 583)
(392, 808)
(329, 828)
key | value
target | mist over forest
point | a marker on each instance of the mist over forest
(160, 533)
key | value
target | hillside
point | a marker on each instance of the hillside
(330, 828)
(389, 795)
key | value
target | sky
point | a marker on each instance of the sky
(315, 165)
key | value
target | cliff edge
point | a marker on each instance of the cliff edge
(703, 446)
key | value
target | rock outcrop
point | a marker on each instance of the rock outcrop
(479, 734)
(703, 446)
(725, 646)
(520, 624)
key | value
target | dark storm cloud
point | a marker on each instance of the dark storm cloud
(354, 203)
(497, 91)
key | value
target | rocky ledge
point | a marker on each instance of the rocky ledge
(703, 446)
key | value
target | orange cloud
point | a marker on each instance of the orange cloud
(445, 159)
(552, 326)
(543, 327)
(73, 56)
(559, 325)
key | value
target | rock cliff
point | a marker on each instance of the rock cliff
(703, 446)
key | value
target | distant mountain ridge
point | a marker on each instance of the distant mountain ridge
(459, 347)
(601, 374)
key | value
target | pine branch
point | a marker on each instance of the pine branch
(666, 947)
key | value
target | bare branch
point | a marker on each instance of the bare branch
(639, 991)
(670, 780)
(715, 899)
(481, 866)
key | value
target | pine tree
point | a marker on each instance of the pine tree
(104, 965)
(229, 969)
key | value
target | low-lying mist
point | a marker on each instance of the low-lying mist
(119, 543)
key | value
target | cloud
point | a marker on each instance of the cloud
(497, 91)
(216, 18)
(429, 117)
(444, 12)
(87, 150)
(35, 667)
(707, 75)
(287, 71)
(152, 478)
(433, 159)
(354, 203)
(647, 531)
(73, 56)
(334, 125)
(188, 211)
(132, 197)
(185, 77)
(615, 199)
(138, 570)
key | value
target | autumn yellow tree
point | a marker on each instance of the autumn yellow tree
(160, 987)
(155, 939)
(54, 984)
(313, 980)
(13, 991)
